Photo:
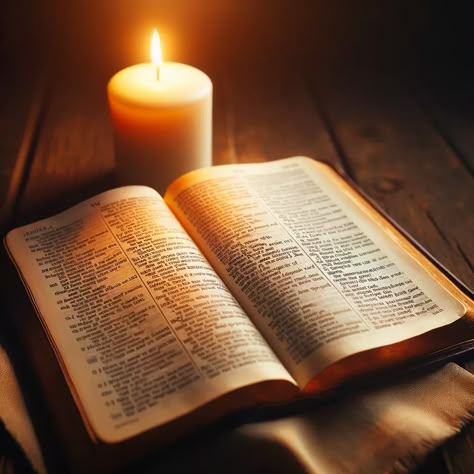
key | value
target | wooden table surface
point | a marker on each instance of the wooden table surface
(405, 139)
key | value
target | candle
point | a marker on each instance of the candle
(162, 120)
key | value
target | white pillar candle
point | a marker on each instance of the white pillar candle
(162, 120)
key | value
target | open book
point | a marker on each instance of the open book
(246, 284)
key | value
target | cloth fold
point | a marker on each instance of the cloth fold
(14, 415)
(388, 429)
(391, 429)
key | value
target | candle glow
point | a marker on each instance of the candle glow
(162, 120)
(156, 55)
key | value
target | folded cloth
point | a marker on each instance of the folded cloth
(388, 429)
(14, 416)
(459, 451)
(391, 429)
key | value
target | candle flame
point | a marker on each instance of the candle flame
(156, 58)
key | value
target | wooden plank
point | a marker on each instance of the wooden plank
(272, 116)
(20, 111)
(402, 162)
(450, 109)
(74, 154)
(21, 99)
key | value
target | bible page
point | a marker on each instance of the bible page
(318, 276)
(143, 327)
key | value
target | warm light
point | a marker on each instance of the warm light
(156, 58)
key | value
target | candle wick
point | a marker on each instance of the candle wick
(157, 73)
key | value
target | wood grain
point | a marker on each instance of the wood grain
(450, 109)
(20, 116)
(74, 154)
(270, 115)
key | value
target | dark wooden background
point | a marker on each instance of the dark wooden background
(383, 90)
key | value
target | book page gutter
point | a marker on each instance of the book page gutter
(146, 329)
(319, 278)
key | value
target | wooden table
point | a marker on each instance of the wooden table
(405, 138)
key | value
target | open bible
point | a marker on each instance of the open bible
(245, 284)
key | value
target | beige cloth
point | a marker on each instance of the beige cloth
(459, 451)
(389, 429)
(14, 415)
(386, 430)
